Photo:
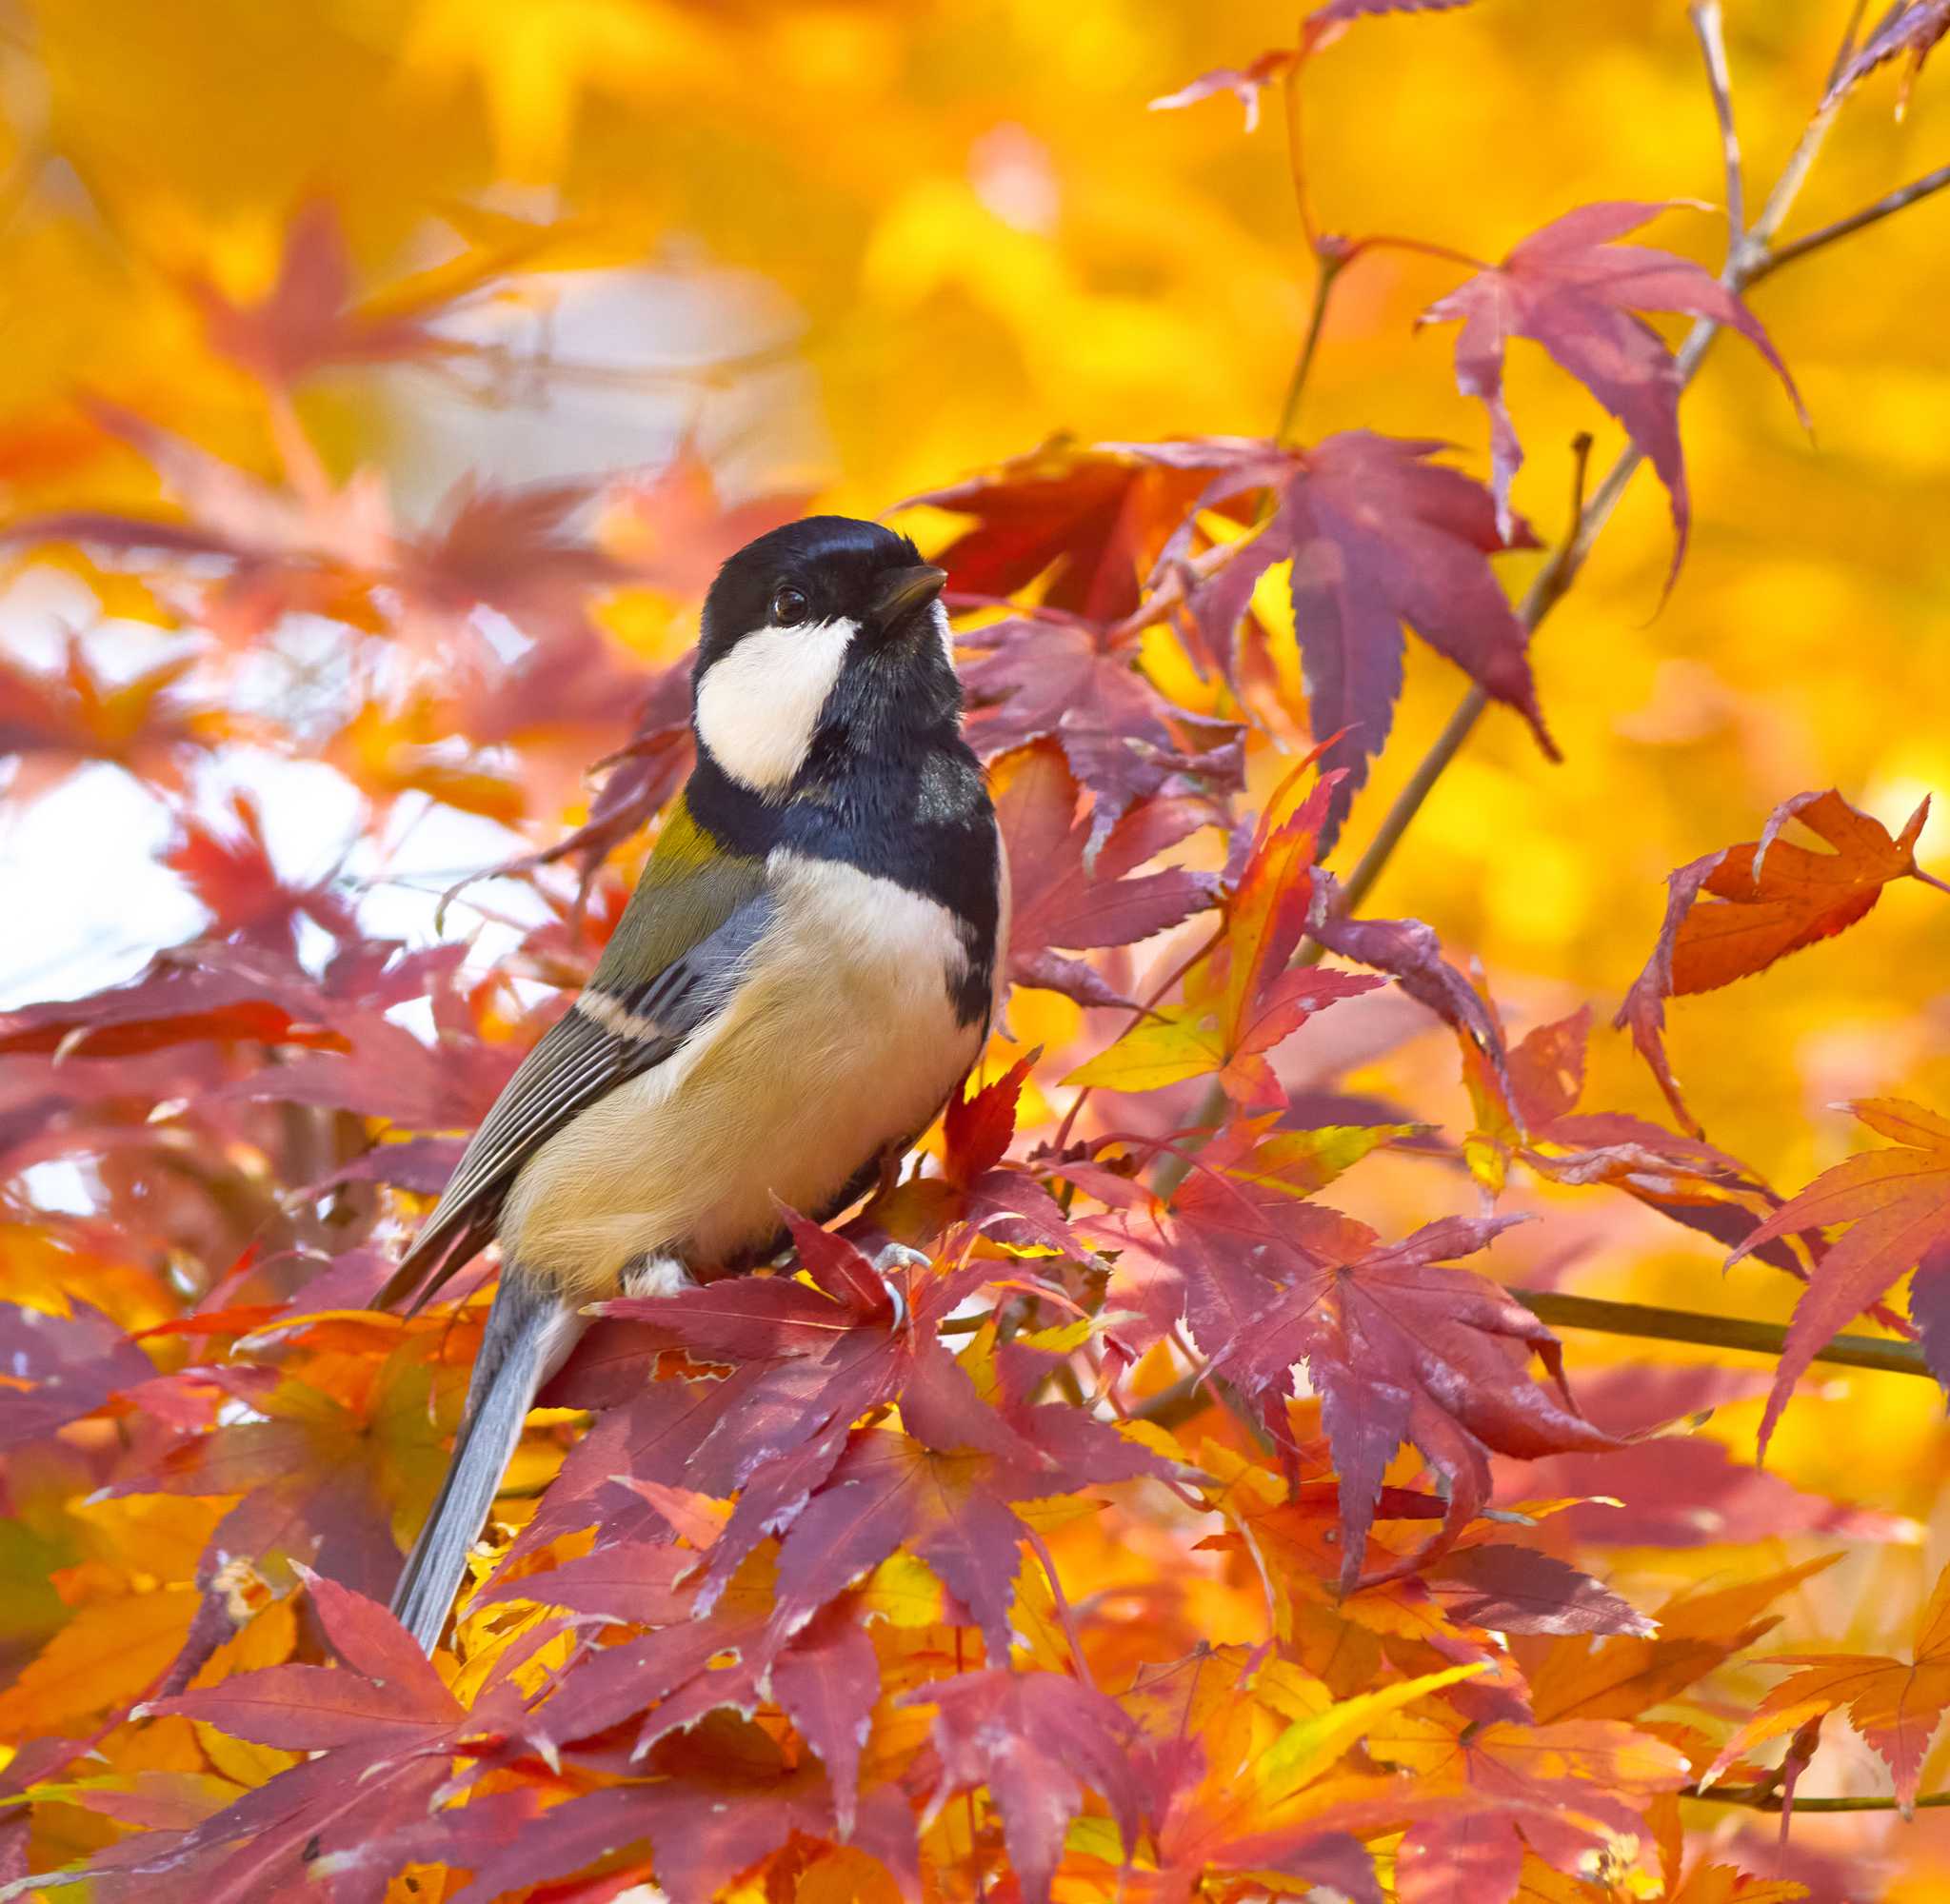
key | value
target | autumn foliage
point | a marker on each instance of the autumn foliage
(1219, 1512)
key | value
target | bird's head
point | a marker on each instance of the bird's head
(822, 638)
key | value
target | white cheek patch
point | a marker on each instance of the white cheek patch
(758, 706)
(946, 635)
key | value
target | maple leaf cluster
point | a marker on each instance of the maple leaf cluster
(1167, 1531)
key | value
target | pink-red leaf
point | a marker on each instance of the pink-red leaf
(1571, 289)
(1035, 1739)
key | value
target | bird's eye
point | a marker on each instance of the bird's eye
(789, 608)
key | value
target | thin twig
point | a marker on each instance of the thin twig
(1296, 150)
(1329, 267)
(1552, 584)
(1845, 52)
(1146, 1008)
(1174, 1406)
(1747, 258)
(1710, 26)
(1767, 1798)
(1842, 228)
(1714, 1332)
(1064, 1613)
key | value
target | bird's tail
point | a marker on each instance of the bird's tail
(530, 1330)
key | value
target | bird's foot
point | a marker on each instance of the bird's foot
(656, 1276)
(898, 1256)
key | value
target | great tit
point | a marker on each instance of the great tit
(807, 967)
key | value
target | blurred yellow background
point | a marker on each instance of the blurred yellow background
(865, 250)
(951, 231)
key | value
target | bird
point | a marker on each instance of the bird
(806, 970)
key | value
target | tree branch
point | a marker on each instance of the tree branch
(1174, 1406)
(1714, 1332)
(1748, 258)
(1844, 227)
(1707, 24)
(1766, 1799)
(1845, 52)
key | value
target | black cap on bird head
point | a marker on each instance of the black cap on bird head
(828, 628)
(817, 570)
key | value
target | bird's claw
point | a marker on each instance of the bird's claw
(892, 1257)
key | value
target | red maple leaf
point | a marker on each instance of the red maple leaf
(1034, 1740)
(210, 990)
(1570, 289)
(1910, 27)
(309, 319)
(1528, 1111)
(975, 1187)
(952, 1509)
(1055, 677)
(1380, 537)
(1509, 1589)
(713, 1811)
(1092, 520)
(1410, 953)
(1321, 28)
(1244, 996)
(60, 1368)
(513, 547)
(1772, 898)
(1399, 1346)
(807, 1365)
(1056, 902)
(303, 321)
(230, 870)
(387, 1072)
(1680, 1491)
(388, 1728)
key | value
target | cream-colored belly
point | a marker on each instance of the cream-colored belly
(841, 1042)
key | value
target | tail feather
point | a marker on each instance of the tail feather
(529, 1333)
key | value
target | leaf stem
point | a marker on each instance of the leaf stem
(1295, 153)
(1329, 267)
(1714, 1332)
(1064, 1610)
(1426, 247)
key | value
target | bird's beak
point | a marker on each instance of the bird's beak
(906, 590)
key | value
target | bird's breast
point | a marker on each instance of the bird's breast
(844, 1036)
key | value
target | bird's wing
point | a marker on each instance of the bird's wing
(691, 932)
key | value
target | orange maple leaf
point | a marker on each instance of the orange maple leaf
(1894, 1704)
(1772, 899)
(1898, 1203)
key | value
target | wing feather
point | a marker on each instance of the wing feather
(603, 1039)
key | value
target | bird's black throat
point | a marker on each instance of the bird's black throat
(889, 787)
